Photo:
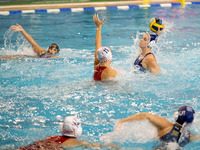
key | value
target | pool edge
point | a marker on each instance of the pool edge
(55, 8)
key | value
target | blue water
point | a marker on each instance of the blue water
(36, 94)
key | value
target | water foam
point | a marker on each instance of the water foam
(133, 132)
(16, 44)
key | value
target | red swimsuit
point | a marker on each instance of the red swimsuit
(53, 142)
(98, 72)
(58, 139)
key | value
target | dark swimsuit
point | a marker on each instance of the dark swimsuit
(175, 136)
(138, 62)
(98, 72)
(44, 56)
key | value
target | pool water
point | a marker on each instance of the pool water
(36, 94)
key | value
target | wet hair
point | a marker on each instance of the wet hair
(57, 46)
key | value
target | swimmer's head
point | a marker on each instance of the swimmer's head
(144, 41)
(185, 114)
(71, 127)
(104, 54)
(53, 49)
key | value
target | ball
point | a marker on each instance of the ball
(154, 23)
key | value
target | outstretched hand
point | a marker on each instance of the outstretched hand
(97, 21)
(159, 31)
(16, 27)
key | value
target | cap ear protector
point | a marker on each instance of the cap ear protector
(152, 39)
(175, 116)
(155, 23)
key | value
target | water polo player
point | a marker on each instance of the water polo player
(52, 50)
(168, 132)
(70, 129)
(146, 60)
(103, 56)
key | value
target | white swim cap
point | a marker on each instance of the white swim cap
(71, 127)
(104, 54)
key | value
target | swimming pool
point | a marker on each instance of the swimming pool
(36, 94)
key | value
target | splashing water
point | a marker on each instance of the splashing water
(7, 39)
(16, 44)
(139, 132)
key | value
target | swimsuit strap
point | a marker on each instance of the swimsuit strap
(138, 62)
(172, 136)
(100, 67)
(44, 55)
(98, 71)
(145, 56)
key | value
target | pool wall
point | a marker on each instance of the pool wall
(77, 7)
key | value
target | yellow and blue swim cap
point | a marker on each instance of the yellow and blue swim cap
(154, 23)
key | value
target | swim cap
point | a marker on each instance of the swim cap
(152, 39)
(185, 114)
(154, 23)
(104, 54)
(71, 127)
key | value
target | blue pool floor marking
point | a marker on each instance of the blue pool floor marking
(13, 12)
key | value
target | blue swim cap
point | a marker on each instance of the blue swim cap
(152, 39)
(185, 115)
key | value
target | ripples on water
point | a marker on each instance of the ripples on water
(36, 94)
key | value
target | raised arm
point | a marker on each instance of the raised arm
(151, 60)
(98, 36)
(36, 48)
